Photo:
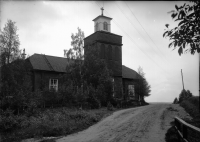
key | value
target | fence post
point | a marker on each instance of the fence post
(185, 132)
(176, 123)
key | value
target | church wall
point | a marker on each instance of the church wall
(113, 59)
(41, 79)
(118, 87)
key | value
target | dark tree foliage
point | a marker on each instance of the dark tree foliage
(186, 36)
(16, 84)
(175, 101)
(89, 79)
(184, 95)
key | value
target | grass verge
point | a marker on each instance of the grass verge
(48, 123)
(191, 106)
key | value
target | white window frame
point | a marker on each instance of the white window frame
(53, 84)
(131, 91)
(105, 26)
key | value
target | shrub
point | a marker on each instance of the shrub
(184, 95)
(110, 106)
(191, 106)
(175, 101)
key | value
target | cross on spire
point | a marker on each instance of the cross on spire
(102, 10)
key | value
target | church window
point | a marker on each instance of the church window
(105, 26)
(102, 51)
(53, 84)
(131, 91)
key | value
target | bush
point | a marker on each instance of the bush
(184, 95)
(110, 106)
(175, 101)
(191, 105)
(50, 122)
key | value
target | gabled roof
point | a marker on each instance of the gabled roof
(48, 63)
(129, 73)
(59, 64)
(101, 16)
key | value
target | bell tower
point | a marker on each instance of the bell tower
(109, 48)
(102, 23)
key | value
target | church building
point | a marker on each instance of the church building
(109, 46)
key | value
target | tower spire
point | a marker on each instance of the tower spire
(102, 11)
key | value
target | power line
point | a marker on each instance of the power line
(138, 31)
(144, 29)
(133, 41)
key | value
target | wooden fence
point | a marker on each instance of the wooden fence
(183, 128)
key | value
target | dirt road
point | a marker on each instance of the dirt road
(141, 124)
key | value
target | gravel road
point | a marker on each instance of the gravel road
(141, 124)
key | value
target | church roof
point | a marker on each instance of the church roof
(129, 73)
(48, 63)
(101, 16)
(58, 64)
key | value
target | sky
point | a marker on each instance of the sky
(45, 27)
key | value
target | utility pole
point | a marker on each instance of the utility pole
(182, 79)
(199, 82)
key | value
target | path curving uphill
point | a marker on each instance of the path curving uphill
(141, 124)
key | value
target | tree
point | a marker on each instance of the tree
(184, 95)
(143, 87)
(90, 77)
(9, 43)
(175, 101)
(186, 36)
(97, 74)
(77, 42)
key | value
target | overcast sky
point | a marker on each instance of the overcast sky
(46, 27)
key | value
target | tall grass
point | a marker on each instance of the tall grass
(50, 122)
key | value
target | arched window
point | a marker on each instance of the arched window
(102, 51)
(96, 26)
(105, 26)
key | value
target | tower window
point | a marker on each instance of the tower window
(105, 26)
(96, 27)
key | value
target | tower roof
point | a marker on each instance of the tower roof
(101, 16)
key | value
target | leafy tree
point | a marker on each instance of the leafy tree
(143, 87)
(186, 36)
(77, 42)
(90, 77)
(98, 75)
(9, 43)
(15, 84)
(184, 95)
